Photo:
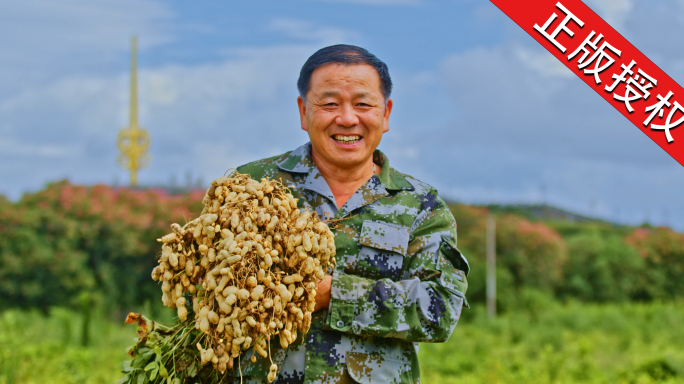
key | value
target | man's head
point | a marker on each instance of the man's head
(343, 54)
(344, 104)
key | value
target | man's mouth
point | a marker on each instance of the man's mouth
(346, 139)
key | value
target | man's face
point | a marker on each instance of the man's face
(345, 114)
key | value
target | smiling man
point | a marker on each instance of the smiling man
(399, 280)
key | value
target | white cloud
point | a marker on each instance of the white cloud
(43, 39)
(303, 30)
(505, 102)
(542, 62)
(490, 124)
(11, 147)
(514, 127)
(202, 118)
(161, 89)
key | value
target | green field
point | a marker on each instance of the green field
(628, 343)
(546, 343)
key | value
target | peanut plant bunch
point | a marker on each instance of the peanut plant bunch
(248, 267)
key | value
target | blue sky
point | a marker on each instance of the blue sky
(481, 110)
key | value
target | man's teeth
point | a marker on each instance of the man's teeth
(347, 139)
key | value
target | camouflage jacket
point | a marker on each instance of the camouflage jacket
(399, 280)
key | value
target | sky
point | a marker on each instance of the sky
(481, 110)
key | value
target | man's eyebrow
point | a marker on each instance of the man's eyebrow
(363, 94)
(329, 94)
(335, 93)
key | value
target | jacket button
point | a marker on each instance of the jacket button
(340, 323)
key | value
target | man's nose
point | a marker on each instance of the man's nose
(347, 117)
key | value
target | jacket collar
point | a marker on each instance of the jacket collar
(299, 161)
(377, 187)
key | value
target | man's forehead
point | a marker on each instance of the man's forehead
(326, 79)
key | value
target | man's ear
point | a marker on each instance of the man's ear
(385, 120)
(301, 104)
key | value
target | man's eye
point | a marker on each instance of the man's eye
(363, 105)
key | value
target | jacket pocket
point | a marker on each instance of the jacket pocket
(376, 368)
(383, 235)
(382, 252)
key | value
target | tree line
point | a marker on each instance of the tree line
(72, 245)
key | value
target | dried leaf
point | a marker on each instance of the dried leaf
(142, 339)
(142, 324)
(163, 332)
(143, 330)
(138, 318)
(133, 317)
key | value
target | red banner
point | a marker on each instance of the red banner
(608, 63)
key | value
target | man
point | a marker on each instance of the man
(400, 279)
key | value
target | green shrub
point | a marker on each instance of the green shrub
(602, 268)
(68, 239)
(663, 252)
(529, 254)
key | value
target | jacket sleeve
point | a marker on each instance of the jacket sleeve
(424, 306)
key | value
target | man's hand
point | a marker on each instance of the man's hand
(323, 293)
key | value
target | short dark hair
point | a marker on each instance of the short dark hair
(344, 54)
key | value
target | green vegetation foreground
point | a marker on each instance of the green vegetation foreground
(545, 343)
(68, 246)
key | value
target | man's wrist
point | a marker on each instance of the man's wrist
(323, 294)
(343, 302)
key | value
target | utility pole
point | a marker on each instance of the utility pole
(134, 140)
(491, 266)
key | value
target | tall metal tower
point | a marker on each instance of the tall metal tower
(134, 140)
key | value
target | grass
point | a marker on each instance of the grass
(35, 348)
(628, 343)
(546, 343)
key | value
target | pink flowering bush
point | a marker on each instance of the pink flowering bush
(67, 240)
(529, 254)
(70, 244)
(533, 252)
(662, 251)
